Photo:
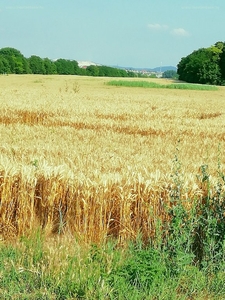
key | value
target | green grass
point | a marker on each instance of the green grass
(37, 81)
(103, 272)
(147, 84)
(186, 260)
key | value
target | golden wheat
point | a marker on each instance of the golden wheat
(80, 157)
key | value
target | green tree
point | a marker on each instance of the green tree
(210, 71)
(221, 46)
(17, 62)
(82, 71)
(66, 67)
(50, 67)
(92, 70)
(123, 73)
(222, 66)
(111, 72)
(36, 64)
(201, 66)
(75, 67)
(170, 74)
(4, 65)
(131, 74)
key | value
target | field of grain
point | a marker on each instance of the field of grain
(80, 157)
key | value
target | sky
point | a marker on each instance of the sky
(128, 33)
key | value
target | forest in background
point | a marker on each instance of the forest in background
(12, 61)
(204, 66)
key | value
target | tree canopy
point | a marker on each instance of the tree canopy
(12, 61)
(170, 74)
(205, 65)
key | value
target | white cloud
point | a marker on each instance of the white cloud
(180, 32)
(157, 27)
(176, 31)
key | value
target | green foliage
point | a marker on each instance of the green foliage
(14, 61)
(49, 66)
(209, 243)
(131, 74)
(36, 65)
(111, 72)
(92, 71)
(31, 271)
(143, 268)
(222, 65)
(147, 84)
(197, 87)
(4, 65)
(66, 67)
(205, 65)
(10, 52)
(170, 74)
(185, 261)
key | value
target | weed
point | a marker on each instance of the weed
(34, 163)
(76, 88)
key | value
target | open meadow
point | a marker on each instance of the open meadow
(80, 156)
(110, 192)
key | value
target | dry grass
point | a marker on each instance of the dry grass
(84, 158)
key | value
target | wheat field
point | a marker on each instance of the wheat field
(94, 161)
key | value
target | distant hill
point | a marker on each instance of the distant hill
(164, 68)
(157, 69)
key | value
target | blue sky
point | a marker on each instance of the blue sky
(136, 33)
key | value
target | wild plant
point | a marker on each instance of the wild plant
(76, 88)
(209, 244)
(178, 236)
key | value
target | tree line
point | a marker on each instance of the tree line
(204, 66)
(12, 61)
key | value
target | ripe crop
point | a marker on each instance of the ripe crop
(84, 158)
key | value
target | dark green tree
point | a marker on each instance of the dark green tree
(104, 71)
(222, 66)
(62, 67)
(111, 72)
(50, 67)
(123, 73)
(17, 62)
(202, 66)
(92, 70)
(75, 67)
(221, 46)
(36, 65)
(4, 65)
(82, 71)
(66, 67)
(210, 71)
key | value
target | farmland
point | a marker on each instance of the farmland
(70, 133)
(84, 159)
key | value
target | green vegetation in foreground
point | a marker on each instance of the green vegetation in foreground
(147, 84)
(34, 270)
(185, 260)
